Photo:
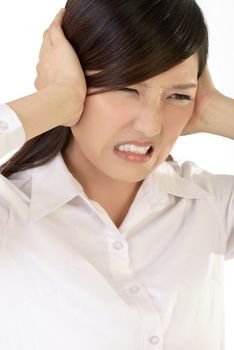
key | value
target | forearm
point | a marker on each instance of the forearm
(220, 117)
(47, 108)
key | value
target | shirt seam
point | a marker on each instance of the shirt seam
(5, 235)
(221, 221)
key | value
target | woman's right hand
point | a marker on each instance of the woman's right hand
(61, 86)
(59, 64)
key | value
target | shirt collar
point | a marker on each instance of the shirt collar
(169, 179)
(53, 186)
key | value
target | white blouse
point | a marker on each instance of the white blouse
(70, 279)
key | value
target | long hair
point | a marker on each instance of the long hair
(125, 42)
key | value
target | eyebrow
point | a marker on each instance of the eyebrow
(177, 86)
(184, 86)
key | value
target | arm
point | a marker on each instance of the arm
(12, 134)
(213, 112)
(61, 92)
(220, 116)
(48, 108)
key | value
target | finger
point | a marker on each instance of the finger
(55, 29)
(45, 34)
(37, 83)
(58, 20)
(37, 68)
(46, 43)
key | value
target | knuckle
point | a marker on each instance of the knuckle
(45, 33)
(36, 83)
(46, 36)
(47, 30)
(53, 35)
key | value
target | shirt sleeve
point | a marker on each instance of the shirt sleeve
(222, 187)
(12, 134)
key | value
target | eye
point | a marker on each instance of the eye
(130, 90)
(181, 97)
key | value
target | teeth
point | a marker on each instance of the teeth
(134, 149)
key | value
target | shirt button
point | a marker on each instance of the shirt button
(134, 289)
(118, 245)
(3, 124)
(154, 340)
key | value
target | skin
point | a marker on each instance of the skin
(102, 121)
(110, 118)
(60, 83)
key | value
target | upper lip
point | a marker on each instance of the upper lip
(137, 143)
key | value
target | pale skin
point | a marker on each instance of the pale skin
(155, 114)
(61, 90)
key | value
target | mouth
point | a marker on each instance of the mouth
(133, 153)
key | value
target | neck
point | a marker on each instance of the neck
(113, 195)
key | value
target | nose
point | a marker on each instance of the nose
(149, 121)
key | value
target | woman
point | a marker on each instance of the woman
(106, 242)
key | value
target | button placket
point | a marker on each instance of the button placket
(118, 258)
(135, 294)
(149, 314)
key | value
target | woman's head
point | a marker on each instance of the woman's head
(161, 43)
(121, 44)
(153, 115)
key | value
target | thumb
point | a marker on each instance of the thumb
(59, 17)
(55, 27)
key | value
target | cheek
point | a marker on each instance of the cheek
(177, 117)
(101, 121)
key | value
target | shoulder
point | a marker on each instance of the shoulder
(15, 193)
(219, 186)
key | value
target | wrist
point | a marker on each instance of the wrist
(48, 108)
(72, 100)
(219, 116)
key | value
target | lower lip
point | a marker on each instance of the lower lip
(133, 157)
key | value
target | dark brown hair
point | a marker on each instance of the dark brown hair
(126, 42)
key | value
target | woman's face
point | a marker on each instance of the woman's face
(152, 115)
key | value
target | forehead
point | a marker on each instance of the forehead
(184, 73)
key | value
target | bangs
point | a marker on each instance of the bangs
(132, 41)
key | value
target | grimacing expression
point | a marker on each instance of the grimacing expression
(157, 112)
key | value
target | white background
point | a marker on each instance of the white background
(22, 24)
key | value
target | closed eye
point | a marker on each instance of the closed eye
(130, 90)
(181, 97)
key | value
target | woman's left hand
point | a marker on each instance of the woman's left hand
(206, 93)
